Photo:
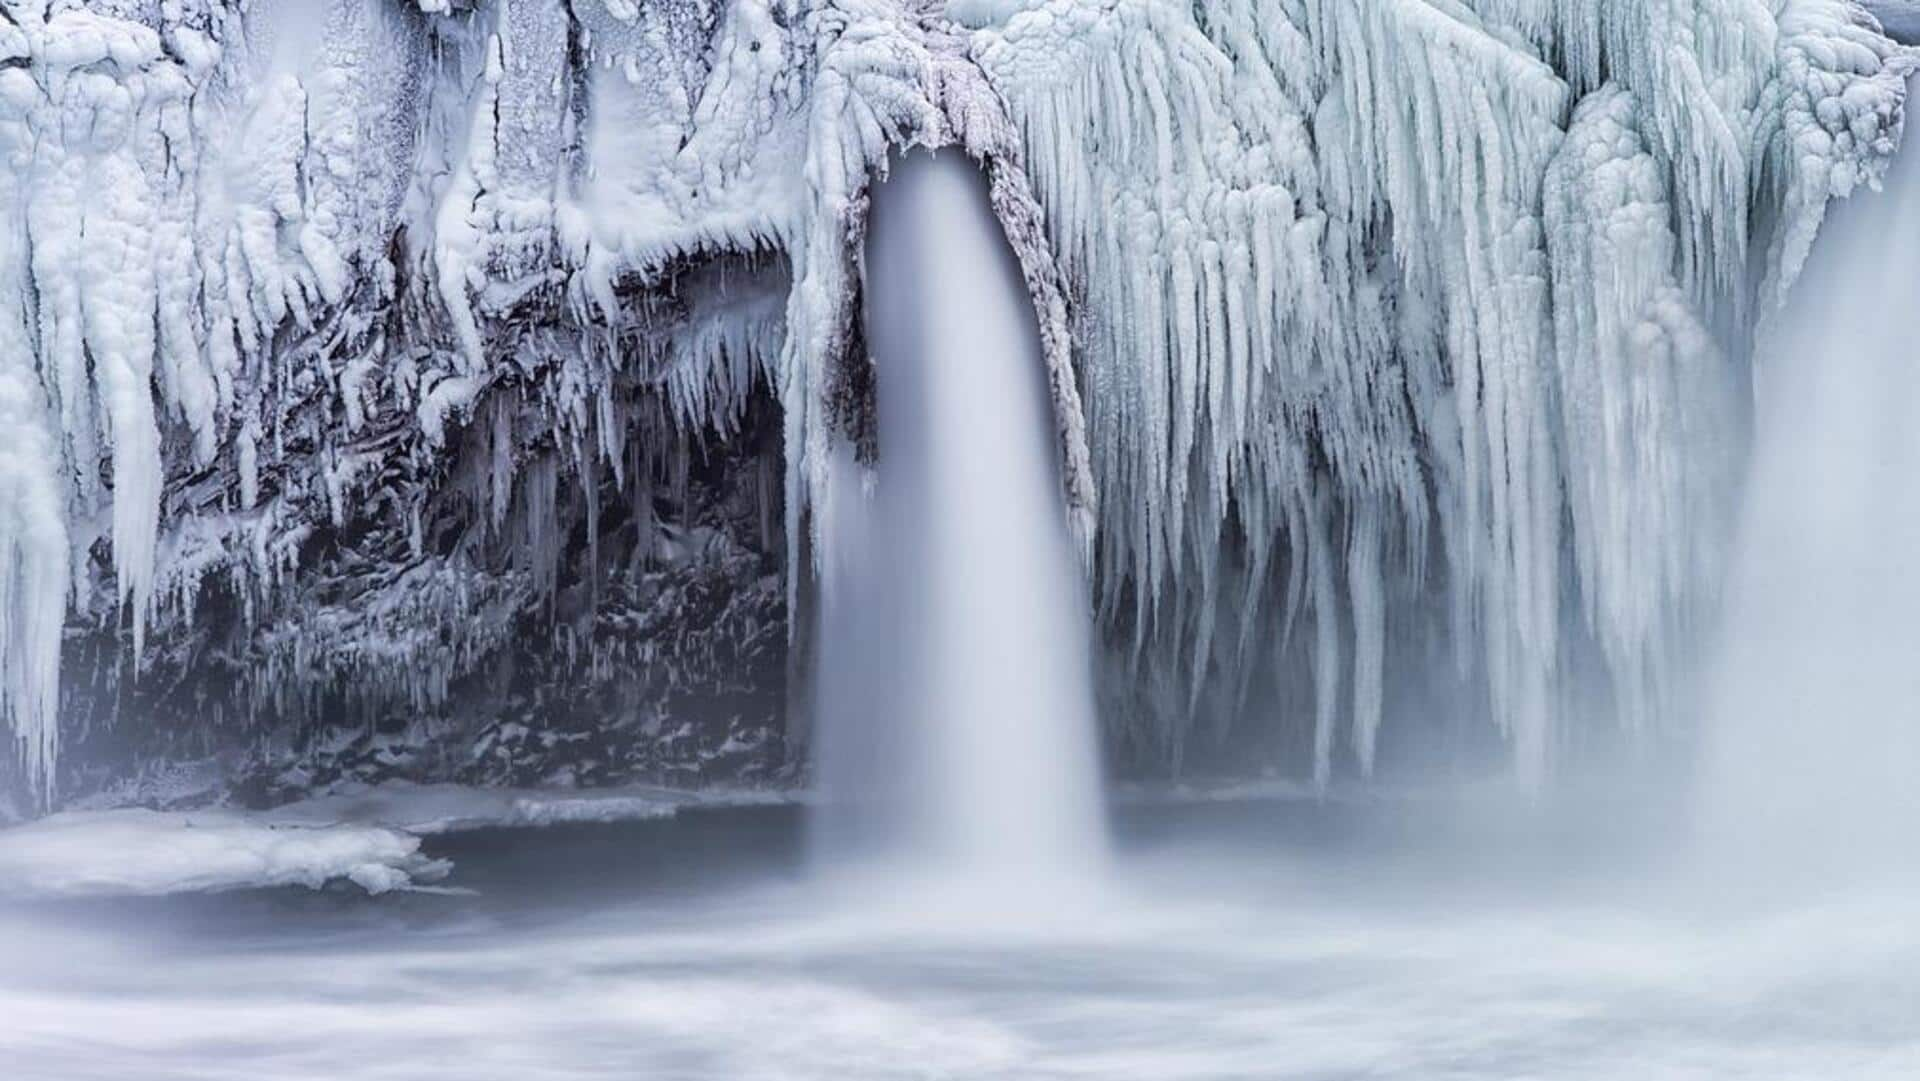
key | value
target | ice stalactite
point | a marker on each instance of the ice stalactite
(34, 554)
(1360, 279)
(183, 198)
(1647, 418)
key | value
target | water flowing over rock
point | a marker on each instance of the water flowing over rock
(1812, 740)
(956, 711)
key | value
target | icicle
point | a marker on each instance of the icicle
(1365, 590)
(34, 557)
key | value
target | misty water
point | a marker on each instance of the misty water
(1756, 917)
(1283, 939)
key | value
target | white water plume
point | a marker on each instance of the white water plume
(1814, 727)
(956, 703)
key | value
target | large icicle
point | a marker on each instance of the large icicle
(34, 554)
(1646, 414)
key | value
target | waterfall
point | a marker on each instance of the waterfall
(1814, 700)
(956, 722)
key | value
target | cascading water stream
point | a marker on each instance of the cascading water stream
(956, 716)
(1813, 763)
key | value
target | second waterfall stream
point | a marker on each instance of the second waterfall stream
(955, 711)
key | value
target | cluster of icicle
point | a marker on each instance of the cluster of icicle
(1389, 306)
(1377, 307)
(267, 263)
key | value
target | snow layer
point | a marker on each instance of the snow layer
(368, 835)
(1382, 330)
(108, 853)
(444, 808)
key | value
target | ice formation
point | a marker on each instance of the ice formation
(343, 325)
(1386, 306)
(148, 853)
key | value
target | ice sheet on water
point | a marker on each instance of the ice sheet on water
(369, 835)
(449, 808)
(137, 852)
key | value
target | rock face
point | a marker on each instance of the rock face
(446, 389)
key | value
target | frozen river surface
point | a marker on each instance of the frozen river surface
(1281, 940)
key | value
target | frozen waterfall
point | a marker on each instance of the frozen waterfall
(360, 354)
(956, 714)
(1814, 729)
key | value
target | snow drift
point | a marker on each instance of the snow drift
(347, 346)
(148, 853)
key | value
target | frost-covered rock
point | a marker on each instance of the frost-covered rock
(357, 353)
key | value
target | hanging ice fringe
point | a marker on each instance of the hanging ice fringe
(1416, 296)
(1358, 315)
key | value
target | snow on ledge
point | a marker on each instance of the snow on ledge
(428, 809)
(148, 853)
(368, 835)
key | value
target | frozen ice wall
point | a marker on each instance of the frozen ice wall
(1416, 338)
(1396, 350)
(354, 344)
(957, 698)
